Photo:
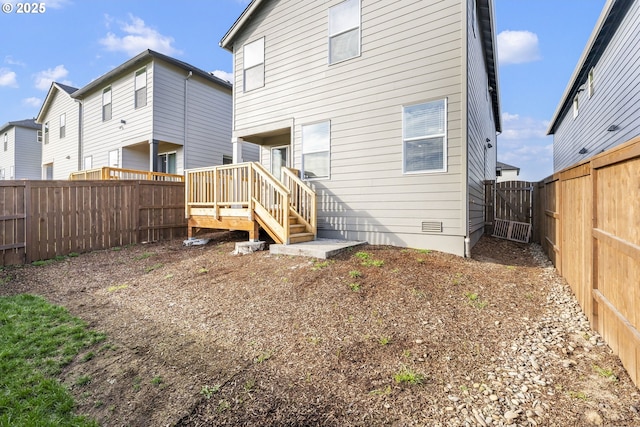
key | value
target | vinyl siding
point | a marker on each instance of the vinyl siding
(7, 158)
(28, 153)
(367, 197)
(616, 100)
(101, 137)
(57, 150)
(481, 125)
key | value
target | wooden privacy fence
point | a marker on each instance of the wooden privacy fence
(510, 206)
(591, 232)
(44, 219)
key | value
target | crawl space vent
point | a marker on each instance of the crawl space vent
(431, 227)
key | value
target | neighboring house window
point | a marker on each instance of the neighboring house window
(48, 171)
(253, 65)
(167, 162)
(227, 160)
(344, 31)
(46, 133)
(39, 137)
(6, 141)
(2, 173)
(88, 162)
(114, 158)
(425, 137)
(12, 171)
(141, 88)
(575, 106)
(63, 125)
(315, 150)
(106, 104)
(590, 86)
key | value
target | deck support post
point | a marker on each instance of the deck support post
(237, 150)
(254, 233)
(153, 155)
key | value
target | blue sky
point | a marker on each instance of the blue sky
(76, 41)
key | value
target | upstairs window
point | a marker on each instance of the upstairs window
(46, 133)
(141, 88)
(39, 137)
(344, 31)
(106, 104)
(253, 65)
(590, 84)
(575, 106)
(6, 141)
(315, 150)
(63, 125)
(424, 129)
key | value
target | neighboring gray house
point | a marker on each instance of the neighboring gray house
(600, 107)
(60, 120)
(386, 108)
(156, 113)
(20, 150)
(506, 172)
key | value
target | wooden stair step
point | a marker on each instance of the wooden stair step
(301, 237)
(296, 228)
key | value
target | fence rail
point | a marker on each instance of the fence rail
(44, 219)
(107, 173)
(591, 232)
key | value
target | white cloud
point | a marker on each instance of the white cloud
(32, 101)
(43, 79)
(223, 75)
(515, 127)
(8, 78)
(518, 47)
(9, 60)
(57, 4)
(137, 37)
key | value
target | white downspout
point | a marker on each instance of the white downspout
(186, 132)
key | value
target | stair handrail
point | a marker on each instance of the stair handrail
(303, 199)
(270, 200)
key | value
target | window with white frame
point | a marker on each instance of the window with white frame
(141, 87)
(12, 172)
(253, 65)
(575, 106)
(88, 162)
(63, 125)
(590, 83)
(6, 141)
(106, 104)
(48, 171)
(344, 31)
(39, 136)
(424, 130)
(2, 173)
(167, 162)
(46, 133)
(316, 159)
(114, 158)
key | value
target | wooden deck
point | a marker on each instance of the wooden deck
(247, 197)
(106, 173)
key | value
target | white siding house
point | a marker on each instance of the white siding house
(156, 113)
(59, 118)
(507, 172)
(600, 106)
(386, 108)
(20, 150)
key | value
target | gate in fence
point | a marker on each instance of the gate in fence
(513, 209)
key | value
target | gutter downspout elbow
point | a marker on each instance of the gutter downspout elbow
(467, 247)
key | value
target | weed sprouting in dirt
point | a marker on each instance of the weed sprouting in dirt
(209, 391)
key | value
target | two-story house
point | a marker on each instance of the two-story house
(20, 150)
(156, 113)
(599, 107)
(388, 109)
(60, 117)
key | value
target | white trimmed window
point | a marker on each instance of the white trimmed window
(12, 172)
(590, 84)
(575, 106)
(39, 137)
(106, 104)
(114, 158)
(88, 162)
(63, 125)
(424, 130)
(141, 87)
(167, 162)
(46, 133)
(6, 141)
(316, 139)
(253, 65)
(344, 31)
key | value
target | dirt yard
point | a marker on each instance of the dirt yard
(378, 336)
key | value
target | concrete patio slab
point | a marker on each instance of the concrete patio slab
(319, 248)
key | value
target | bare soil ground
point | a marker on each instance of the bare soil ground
(198, 337)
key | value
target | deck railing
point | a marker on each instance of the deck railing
(252, 187)
(106, 173)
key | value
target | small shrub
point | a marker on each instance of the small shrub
(88, 356)
(157, 380)
(207, 391)
(354, 274)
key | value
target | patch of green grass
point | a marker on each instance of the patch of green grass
(363, 255)
(74, 255)
(90, 355)
(43, 262)
(605, 372)
(367, 259)
(223, 405)
(83, 380)
(406, 353)
(144, 255)
(37, 339)
(203, 270)
(354, 274)
(264, 356)
(355, 287)
(153, 267)
(60, 257)
(408, 376)
(208, 391)
(157, 380)
(475, 301)
(249, 385)
(116, 248)
(381, 391)
(424, 251)
(384, 341)
(137, 384)
(117, 287)
(578, 395)
(319, 265)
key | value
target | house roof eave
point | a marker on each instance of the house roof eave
(49, 98)
(227, 40)
(486, 19)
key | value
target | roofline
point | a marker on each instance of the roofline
(137, 61)
(227, 39)
(17, 123)
(486, 15)
(572, 86)
(48, 100)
